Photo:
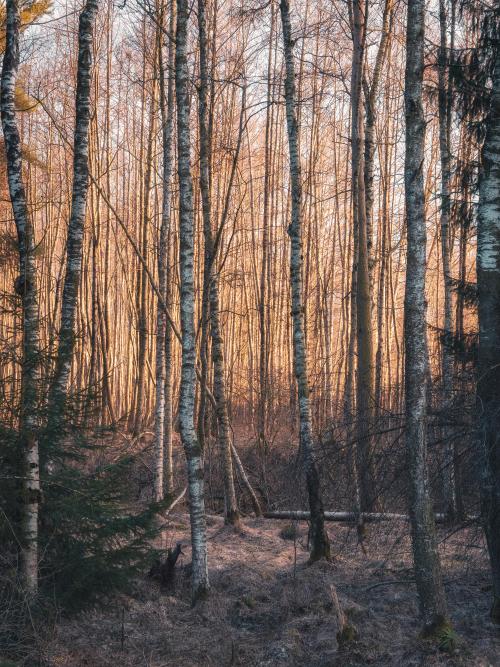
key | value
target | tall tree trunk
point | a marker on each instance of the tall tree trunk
(444, 109)
(200, 582)
(425, 555)
(163, 408)
(26, 288)
(319, 542)
(488, 384)
(142, 295)
(365, 367)
(212, 282)
(263, 290)
(371, 92)
(74, 245)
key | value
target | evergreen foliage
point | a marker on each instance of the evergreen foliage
(92, 542)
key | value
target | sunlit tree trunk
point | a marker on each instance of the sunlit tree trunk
(319, 542)
(26, 288)
(142, 295)
(200, 583)
(74, 245)
(488, 384)
(263, 286)
(427, 566)
(211, 278)
(371, 93)
(163, 399)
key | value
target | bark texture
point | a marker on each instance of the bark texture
(74, 245)
(364, 332)
(444, 108)
(163, 400)
(200, 582)
(212, 282)
(427, 567)
(319, 542)
(488, 385)
(26, 288)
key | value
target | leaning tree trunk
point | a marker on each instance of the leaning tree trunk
(488, 384)
(212, 284)
(59, 386)
(426, 559)
(200, 583)
(163, 402)
(26, 288)
(319, 542)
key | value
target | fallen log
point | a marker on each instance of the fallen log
(347, 517)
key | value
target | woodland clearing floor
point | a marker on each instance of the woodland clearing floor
(267, 607)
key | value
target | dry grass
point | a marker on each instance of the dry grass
(268, 607)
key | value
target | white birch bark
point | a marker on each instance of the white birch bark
(59, 385)
(212, 283)
(319, 542)
(26, 288)
(200, 582)
(488, 280)
(163, 404)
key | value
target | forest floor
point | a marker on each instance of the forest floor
(267, 607)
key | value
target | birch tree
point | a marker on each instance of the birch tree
(488, 279)
(27, 289)
(319, 542)
(211, 286)
(427, 566)
(74, 244)
(200, 582)
(163, 405)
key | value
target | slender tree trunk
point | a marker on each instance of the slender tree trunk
(365, 367)
(371, 93)
(200, 582)
(319, 542)
(426, 559)
(488, 384)
(263, 290)
(444, 109)
(212, 282)
(163, 411)
(26, 288)
(142, 291)
(74, 245)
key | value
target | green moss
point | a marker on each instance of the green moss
(347, 634)
(441, 631)
(249, 601)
